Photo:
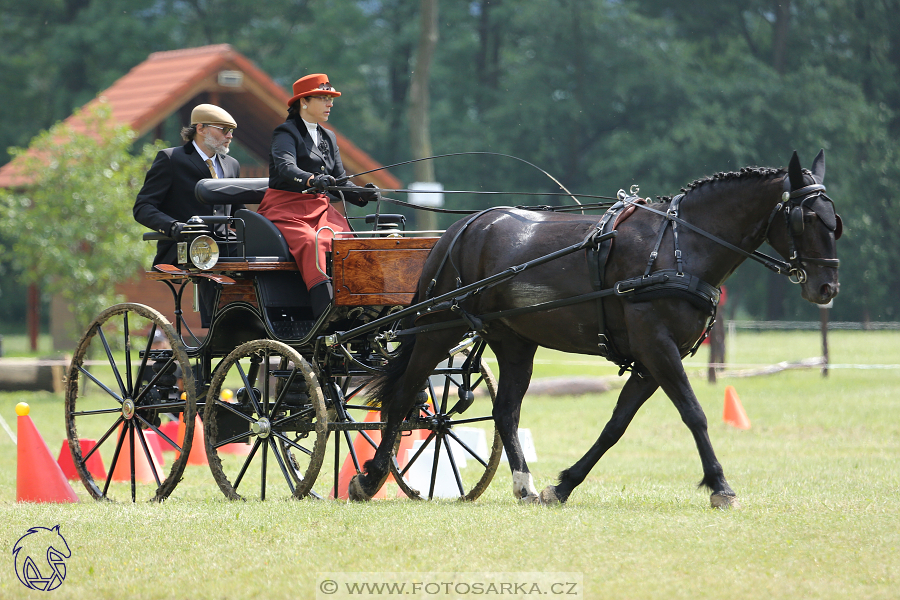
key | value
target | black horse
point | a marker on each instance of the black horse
(701, 236)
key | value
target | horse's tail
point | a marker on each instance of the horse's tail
(385, 386)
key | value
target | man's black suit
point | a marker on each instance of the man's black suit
(168, 193)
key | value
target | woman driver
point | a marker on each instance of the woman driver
(305, 156)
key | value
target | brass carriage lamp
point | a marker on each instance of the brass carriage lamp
(199, 247)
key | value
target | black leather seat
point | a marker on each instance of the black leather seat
(264, 242)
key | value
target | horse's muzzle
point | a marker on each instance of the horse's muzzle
(829, 290)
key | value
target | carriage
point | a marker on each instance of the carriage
(271, 383)
(410, 321)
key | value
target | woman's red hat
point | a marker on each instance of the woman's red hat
(316, 84)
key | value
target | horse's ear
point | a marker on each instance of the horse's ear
(795, 172)
(818, 167)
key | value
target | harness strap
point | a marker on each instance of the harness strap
(773, 264)
(655, 252)
(597, 257)
(456, 237)
(674, 209)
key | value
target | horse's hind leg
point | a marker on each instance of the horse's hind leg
(430, 349)
(636, 391)
(515, 358)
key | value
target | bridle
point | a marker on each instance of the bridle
(811, 197)
(793, 203)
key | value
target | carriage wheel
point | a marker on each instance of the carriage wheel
(278, 410)
(436, 467)
(118, 388)
(350, 447)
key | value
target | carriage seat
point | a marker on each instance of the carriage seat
(262, 238)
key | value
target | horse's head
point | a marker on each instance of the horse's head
(804, 228)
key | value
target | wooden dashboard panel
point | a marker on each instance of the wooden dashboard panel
(378, 271)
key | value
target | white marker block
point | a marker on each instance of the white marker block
(527, 443)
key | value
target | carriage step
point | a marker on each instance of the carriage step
(292, 330)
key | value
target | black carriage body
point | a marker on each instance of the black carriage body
(300, 378)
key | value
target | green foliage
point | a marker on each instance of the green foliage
(600, 94)
(72, 230)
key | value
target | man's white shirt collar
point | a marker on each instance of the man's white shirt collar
(214, 157)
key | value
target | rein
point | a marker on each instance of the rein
(475, 152)
(793, 268)
(774, 264)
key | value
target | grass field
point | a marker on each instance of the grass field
(817, 476)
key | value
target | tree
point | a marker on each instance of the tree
(72, 229)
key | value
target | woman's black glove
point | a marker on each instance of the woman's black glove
(371, 196)
(322, 181)
(361, 196)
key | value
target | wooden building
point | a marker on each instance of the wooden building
(156, 97)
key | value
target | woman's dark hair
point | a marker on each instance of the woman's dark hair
(294, 112)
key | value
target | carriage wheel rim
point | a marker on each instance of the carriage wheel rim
(443, 424)
(129, 416)
(263, 430)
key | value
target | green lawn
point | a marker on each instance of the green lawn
(817, 477)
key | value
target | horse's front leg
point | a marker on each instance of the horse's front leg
(666, 367)
(636, 391)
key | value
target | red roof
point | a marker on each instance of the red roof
(175, 81)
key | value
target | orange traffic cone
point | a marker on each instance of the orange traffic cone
(142, 467)
(38, 476)
(170, 428)
(198, 446)
(237, 448)
(734, 413)
(364, 452)
(155, 443)
(94, 463)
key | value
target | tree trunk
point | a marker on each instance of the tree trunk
(419, 122)
(780, 35)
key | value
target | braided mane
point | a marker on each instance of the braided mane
(744, 173)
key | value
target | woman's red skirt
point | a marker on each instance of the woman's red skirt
(298, 217)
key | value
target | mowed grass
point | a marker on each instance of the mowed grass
(817, 478)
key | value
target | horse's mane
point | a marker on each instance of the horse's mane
(730, 176)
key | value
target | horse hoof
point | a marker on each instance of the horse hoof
(722, 501)
(549, 497)
(530, 499)
(355, 491)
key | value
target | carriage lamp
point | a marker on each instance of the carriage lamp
(204, 252)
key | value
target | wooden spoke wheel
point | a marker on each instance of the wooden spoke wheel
(123, 381)
(277, 415)
(457, 453)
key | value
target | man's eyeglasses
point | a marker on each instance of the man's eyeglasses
(225, 130)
